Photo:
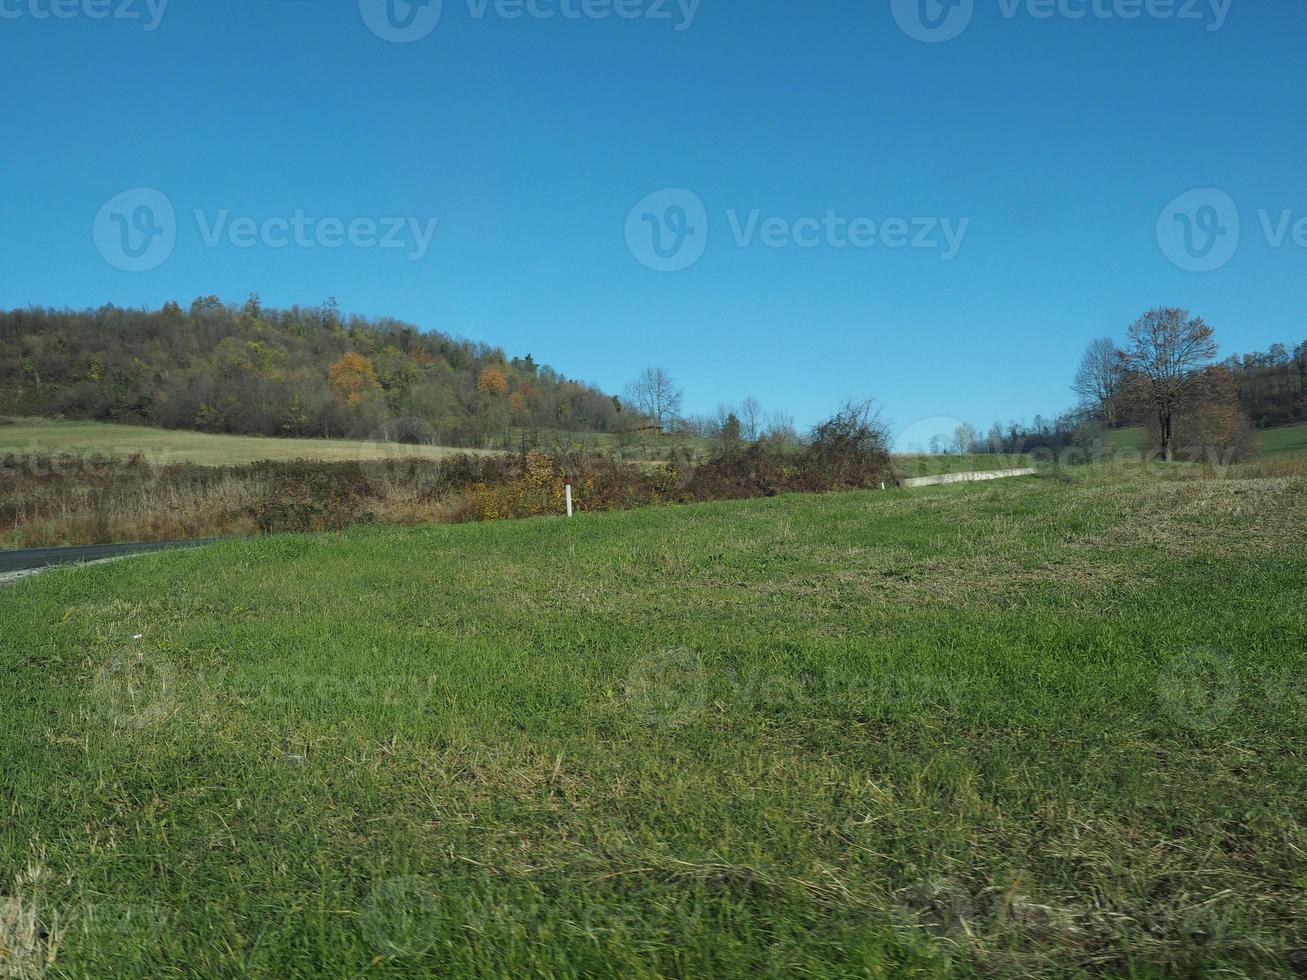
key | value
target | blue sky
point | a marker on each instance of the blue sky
(1055, 147)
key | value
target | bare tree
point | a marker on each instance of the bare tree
(698, 425)
(781, 429)
(656, 395)
(751, 418)
(1099, 379)
(1168, 350)
(965, 438)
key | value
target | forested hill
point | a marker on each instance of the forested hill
(297, 372)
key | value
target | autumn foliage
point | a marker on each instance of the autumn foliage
(353, 379)
(535, 488)
(492, 381)
(306, 372)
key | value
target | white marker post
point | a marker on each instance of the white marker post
(569, 498)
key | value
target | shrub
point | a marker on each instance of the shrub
(306, 498)
(757, 471)
(848, 451)
(70, 500)
(535, 487)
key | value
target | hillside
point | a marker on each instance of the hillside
(1015, 729)
(302, 373)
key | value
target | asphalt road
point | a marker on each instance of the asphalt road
(38, 558)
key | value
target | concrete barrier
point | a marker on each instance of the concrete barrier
(934, 481)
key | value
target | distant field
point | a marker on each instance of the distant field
(1288, 439)
(1135, 437)
(178, 445)
(169, 445)
(1046, 727)
(181, 446)
(650, 447)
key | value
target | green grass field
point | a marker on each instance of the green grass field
(1286, 440)
(1289, 439)
(1041, 727)
(1133, 438)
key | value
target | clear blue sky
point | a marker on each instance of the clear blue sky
(1060, 140)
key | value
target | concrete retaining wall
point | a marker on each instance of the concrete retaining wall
(932, 481)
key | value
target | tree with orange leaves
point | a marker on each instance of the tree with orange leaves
(492, 381)
(353, 379)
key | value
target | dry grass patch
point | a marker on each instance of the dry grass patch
(27, 945)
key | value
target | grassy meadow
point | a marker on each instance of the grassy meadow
(1043, 727)
(1133, 439)
(26, 436)
(164, 446)
(1287, 440)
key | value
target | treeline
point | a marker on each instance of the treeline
(1168, 380)
(1272, 385)
(301, 372)
(656, 397)
(1050, 435)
